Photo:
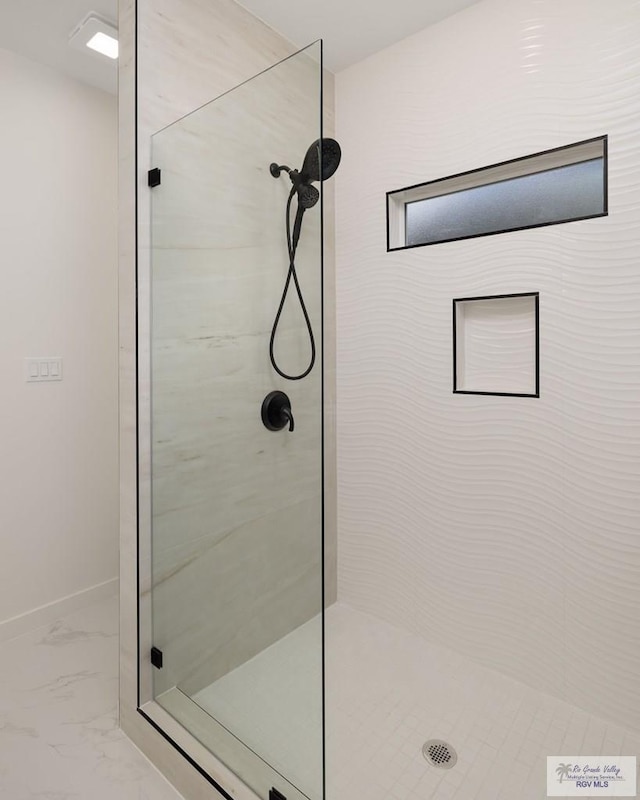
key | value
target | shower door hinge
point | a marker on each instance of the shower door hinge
(156, 657)
(155, 177)
(274, 794)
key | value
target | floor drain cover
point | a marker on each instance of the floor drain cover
(439, 753)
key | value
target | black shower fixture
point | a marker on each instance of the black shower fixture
(309, 173)
(276, 412)
(330, 158)
(308, 195)
(320, 162)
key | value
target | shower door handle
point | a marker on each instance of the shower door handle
(276, 412)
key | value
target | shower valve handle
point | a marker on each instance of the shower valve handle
(276, 412)
(286, 413)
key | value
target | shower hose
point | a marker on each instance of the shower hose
(292, 246)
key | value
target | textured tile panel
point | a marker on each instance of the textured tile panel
(504, 528)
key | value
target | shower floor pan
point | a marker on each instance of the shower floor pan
(387, 693)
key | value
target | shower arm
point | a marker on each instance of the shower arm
(297, 179)
(276, 169)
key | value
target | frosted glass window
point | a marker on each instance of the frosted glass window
(564, 193)
(526, 193)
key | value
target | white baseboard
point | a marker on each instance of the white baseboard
(45, 615)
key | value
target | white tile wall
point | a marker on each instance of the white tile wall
(504, 528)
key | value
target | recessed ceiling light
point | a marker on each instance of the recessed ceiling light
(104, 44)
(97, 34)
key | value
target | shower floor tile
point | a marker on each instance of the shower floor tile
(273, 703)
(387, 692)
(59, 735)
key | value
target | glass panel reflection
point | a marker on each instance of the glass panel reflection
(236, 511)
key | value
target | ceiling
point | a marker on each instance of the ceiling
(351, 29)
(39, 29)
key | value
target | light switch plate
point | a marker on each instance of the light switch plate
(45, 368)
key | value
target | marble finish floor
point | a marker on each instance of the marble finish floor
(387, 692)
(59, 737)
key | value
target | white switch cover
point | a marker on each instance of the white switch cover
(46, 368)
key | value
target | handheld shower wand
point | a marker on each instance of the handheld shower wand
(320, 163)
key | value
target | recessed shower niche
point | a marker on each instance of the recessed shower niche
(496, 345)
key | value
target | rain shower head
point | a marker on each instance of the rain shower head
(308, 195)
(331, 155)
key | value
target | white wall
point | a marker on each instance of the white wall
(506, 528)
(58, 239)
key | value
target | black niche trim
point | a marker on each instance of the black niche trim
(535, 295)
(274, 794)
(605, 199)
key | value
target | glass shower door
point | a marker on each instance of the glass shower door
(237, 538)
